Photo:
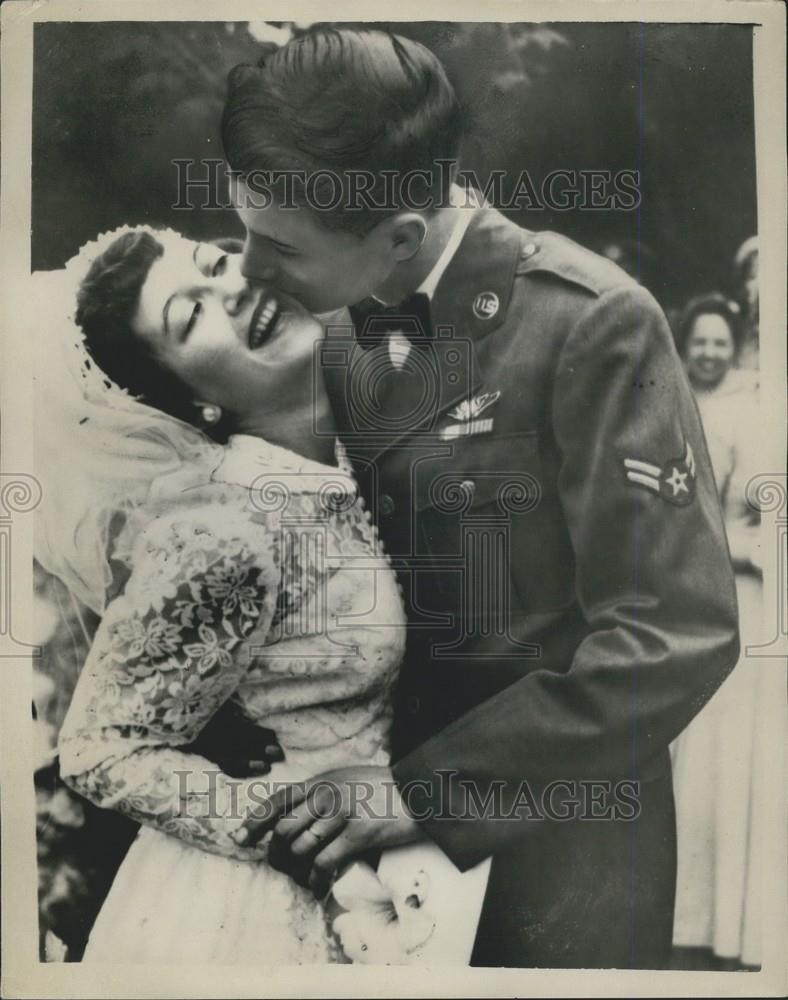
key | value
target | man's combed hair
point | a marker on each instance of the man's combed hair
(106, 303)
(344, 100)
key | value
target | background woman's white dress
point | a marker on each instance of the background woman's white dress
(719, 760)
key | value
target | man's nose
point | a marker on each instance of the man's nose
(257, 262)
(238, 297)
(230, 286)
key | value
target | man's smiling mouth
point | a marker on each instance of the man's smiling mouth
(263, 321)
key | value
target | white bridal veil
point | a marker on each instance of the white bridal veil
(99, 452)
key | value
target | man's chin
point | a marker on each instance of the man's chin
(294, 303)
(320, 306)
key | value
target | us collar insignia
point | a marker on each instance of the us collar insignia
(486, 305)
(467, 413)
(674, 481)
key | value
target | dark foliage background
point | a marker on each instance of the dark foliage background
(116, 102)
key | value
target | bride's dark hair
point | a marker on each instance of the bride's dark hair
(106, 302)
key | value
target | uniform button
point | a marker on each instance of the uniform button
(414, 704)
(386, 505)
(528, 250)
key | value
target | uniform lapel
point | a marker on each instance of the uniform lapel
(471, 300)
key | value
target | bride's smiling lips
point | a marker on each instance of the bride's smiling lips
(263, 321)
(268, 315)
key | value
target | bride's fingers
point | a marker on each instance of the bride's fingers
(317, 836)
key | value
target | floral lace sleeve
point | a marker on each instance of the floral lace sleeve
(169, 651)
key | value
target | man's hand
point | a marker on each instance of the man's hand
(342, 814)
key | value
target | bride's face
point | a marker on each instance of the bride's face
(240, 347)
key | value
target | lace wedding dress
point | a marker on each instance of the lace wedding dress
(262, 582)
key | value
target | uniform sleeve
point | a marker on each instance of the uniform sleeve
(652, 578)
(168, 652)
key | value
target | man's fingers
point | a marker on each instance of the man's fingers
(254, 827)
(293, 824)
(259, 821)
(329, 861)
(280, 858)
(323, 801)
(318, 835)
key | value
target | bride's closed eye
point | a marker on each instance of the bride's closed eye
(180, 315)
(181, 312)
(195, 315)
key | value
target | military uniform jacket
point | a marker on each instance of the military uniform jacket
(540, 478)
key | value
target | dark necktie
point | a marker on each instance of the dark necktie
(374, 321)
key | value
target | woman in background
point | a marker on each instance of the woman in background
(718, 759)
(745, 266)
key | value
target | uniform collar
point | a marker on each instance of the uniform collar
(474, 292)
(468, 204)
(249, 461)
(484, 263)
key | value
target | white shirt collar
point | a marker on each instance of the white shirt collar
(459, 198)
(467, 202)
(398, 344)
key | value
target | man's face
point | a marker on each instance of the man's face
(323, 269)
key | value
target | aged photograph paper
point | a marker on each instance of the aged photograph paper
(393, 502)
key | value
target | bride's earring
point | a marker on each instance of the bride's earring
(210, 413)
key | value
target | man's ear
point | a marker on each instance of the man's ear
(408, 231)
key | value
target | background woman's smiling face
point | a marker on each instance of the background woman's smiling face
(710, 349)
(240, 347)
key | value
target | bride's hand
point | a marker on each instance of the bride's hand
(345, 812)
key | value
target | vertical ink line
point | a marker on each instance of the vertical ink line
(636, 538)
